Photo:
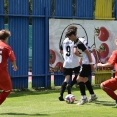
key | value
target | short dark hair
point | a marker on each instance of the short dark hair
(72, 27)
(70, 32)
(4, 34)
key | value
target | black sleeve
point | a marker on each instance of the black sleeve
(82, 46)
(75, 45)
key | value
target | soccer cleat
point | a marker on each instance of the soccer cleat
(116, 105)
(82, 101)
(61, 98)
(92, 98)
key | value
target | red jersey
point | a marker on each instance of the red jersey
(113, 60)
(5, 53)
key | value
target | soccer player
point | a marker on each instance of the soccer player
(87, 65)
(5, 53)
(70, 65)
(109, 86)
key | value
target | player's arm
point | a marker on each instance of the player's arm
(14, 65)
(111, 61)
(89, 55)
(12, 59)
(61, 49)
(76, 52)
(84, 49)
(104, 65)
(90, 60)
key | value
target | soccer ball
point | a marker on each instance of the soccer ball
(70, 99)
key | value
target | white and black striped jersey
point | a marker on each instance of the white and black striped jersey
(81, 44)
(70, 59)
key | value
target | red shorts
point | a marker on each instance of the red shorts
(111, 83)
(5, 81)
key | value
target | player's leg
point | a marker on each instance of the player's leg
(87, 71)
(5, 85)
(76, 72)
(67, 72)
(3, 96)
(90, 89)
(63, 87)
(82, 91)
(80, 81)
(69, 86)
(109, 86)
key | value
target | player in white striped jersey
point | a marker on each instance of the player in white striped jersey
(87, 65)
(70, 65)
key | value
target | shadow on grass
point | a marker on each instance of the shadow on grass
(25, 93)
(104, 103)
(24, 114)
(41, 91)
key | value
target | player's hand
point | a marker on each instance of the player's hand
(99, 65)
(14, 67)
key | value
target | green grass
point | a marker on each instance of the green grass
(45, 103)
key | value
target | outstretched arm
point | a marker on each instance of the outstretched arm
(104, 65)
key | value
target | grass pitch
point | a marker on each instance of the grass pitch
(45, 103)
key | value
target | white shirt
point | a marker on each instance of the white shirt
(70, 59)
(81, 44)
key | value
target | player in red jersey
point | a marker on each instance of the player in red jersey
(109, 86)
(5, 53)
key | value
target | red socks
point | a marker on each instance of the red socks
(110, 92)
(3, 96)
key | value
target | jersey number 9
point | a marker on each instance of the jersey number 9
(68, 50)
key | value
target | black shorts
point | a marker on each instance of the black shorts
(85, 70)
(70, 71)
